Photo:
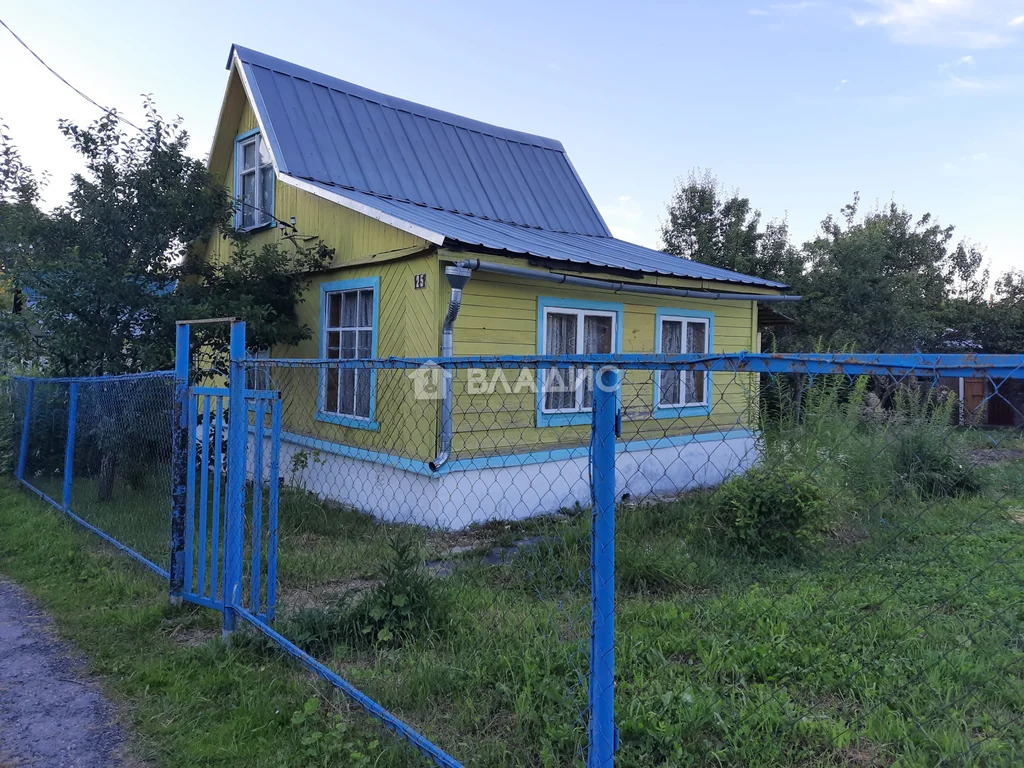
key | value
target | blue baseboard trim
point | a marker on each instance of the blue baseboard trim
(507, 460)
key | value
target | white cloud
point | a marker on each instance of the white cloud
(978, 84)
(963, 61)
(798, 6)
(1016, 21)
(967, 165)
(781, 8)
(627, 222)
(973, 24)
(842, 83)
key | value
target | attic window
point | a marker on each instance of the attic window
(254, 182)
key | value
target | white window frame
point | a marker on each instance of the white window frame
(257, 377)
(332, 413)
(261, 217)
(685, 320)
(581, 314)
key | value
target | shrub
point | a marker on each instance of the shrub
(933, 466)
(408, 603)
(769, 510)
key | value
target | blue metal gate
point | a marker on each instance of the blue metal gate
(225, 523)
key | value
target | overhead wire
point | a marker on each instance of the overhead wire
(117, 115)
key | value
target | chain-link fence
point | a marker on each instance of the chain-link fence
(816, 558)
(99, 448)
(744, 560)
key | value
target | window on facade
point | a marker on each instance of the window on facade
(681, 388)
(571, 332)
(258, 376)
(349, 336)
(254, 183)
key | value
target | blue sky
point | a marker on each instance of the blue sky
(796, 104)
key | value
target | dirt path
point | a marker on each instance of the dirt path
(50, 714)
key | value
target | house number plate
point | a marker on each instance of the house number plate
(419, 281)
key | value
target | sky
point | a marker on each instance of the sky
(797, 105)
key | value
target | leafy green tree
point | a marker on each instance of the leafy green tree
(105, 276)
(883, 281)
(708, 225)
(995, 326)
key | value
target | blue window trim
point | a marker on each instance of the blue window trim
(236, 191)
(334, 286)
(677, 411)
(554, 302)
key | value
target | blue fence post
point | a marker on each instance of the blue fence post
(69, 449)
(602, 732)
(23, 448)
(179, 463)
(234, 508)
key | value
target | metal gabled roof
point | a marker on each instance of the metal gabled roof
(607, 252)
(324, 129)
(447, 178)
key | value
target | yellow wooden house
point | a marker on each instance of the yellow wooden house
(451, 231)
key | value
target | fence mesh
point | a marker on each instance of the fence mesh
(850, 595)
(426, 588)
(810, 569)
(819, 565)
(119, 479)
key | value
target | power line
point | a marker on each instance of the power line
(114, 113)
(60, 77)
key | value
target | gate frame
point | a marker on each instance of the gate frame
(182, 441)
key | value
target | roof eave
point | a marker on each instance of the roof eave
(570, 265)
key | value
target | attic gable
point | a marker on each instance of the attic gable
(325, 130)
(232, 107)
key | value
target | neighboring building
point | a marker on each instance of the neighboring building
(988, 402)
(402, 191)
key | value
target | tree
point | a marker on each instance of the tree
(996, 326)
(105, 276)
(706, 225)
(883, 281)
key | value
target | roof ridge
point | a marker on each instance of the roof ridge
(260, 59)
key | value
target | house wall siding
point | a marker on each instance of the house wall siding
(499, 316)
(406, 427)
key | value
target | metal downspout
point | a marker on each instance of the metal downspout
(457, 276)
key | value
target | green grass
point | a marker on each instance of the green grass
(189, 699)
(893, 638)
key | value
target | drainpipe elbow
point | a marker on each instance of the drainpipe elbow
(438, 461)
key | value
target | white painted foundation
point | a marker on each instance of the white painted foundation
(460, 497)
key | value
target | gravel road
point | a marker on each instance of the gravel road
(51, 714)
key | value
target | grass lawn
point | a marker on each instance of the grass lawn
(190, 700)
(895, 639)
